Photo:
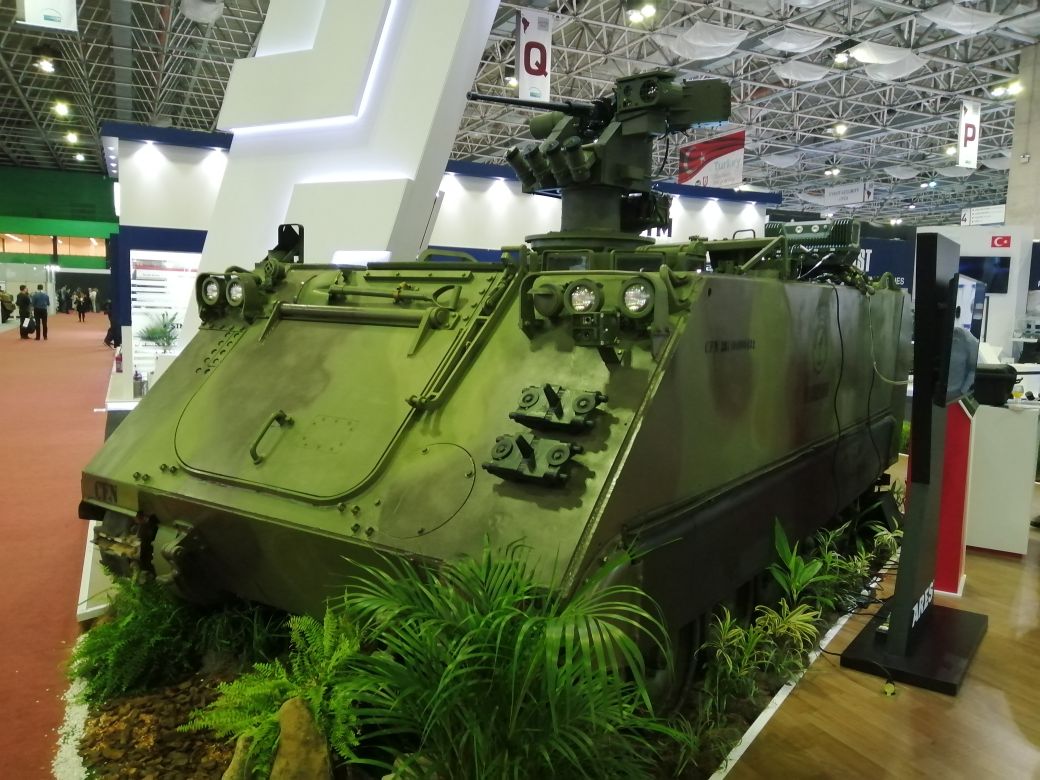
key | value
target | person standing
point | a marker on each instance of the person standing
(24, 304)
(40, 303)
(82, 306)
(93, 299)
(6, 305)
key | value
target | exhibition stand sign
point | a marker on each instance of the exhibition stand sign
(912, 639)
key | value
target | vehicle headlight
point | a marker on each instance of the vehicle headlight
(583, 298)
(210, 291)
(235, 292)
(637, 297)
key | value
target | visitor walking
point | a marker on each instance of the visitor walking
(24, 304)
(93, 299)
(40, 302)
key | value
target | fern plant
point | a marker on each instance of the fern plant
(479, 672)
(144, 643)
(152, 638)
(317, 671)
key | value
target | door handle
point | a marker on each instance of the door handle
(279, 417)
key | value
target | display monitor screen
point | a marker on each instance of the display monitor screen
(991, 271)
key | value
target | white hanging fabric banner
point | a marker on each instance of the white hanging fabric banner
(1028, 25)
(795, 70)
(969, 128)
(816, 200)
(780, 160)
(795, 41)
(878, 53)
(965, 21)
(891, 71)
(806, 3)
(704, 41)
(533, 53)
(763, 7)
(953, 172)
(902, 171)
(997, 163)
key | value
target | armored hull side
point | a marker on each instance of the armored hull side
(751, 377)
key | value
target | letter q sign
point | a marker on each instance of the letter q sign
(536, 59)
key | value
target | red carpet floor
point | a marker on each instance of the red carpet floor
(48, 431)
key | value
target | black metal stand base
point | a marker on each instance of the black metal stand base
(941, 648)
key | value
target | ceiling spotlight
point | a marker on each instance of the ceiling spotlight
(912, 206)
(1014, 87)
(45, 64)
(951, 150)
(61, 108)
(512, 81)
(828, 215)
(924, 185)
(841, 58)
(828, 172)
(999, 91)
(835, 171)
(80, 157)
(648, 10)
(635, 16)
(896, 221)
(933, 184)
(71, 137)
(840, 129)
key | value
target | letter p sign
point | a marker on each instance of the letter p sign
(971, 133)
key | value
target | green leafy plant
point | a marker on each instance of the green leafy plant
(886, 540)
(317, 670)
(476, 671)
(735, 654)
(161, 330)
(904, 437)
(142, 644)
(801, 580)
(790, 628)
(151, 638)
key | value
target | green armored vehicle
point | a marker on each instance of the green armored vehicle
(592, 390)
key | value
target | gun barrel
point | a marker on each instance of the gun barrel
(572, 107)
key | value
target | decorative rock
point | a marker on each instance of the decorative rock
(303, 753)
(238, 769)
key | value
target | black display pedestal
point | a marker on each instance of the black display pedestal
(938, 656)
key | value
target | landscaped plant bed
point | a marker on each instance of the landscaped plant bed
(137, 736)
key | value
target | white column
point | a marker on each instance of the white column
(343, 122)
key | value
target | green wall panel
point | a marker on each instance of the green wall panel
(76, 228)
(65, 195)
(65, 261)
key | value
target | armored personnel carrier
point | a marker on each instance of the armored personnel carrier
(590, 391)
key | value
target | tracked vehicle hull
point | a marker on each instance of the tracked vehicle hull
(750, 405)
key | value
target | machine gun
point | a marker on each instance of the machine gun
(600, 154)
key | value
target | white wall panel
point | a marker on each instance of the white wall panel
(167, 186)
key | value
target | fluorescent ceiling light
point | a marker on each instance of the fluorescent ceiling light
(13, 237)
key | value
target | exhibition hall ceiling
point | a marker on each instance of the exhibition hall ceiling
(899, 115)
(794, 86)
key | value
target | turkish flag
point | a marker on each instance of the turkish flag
(1000, 242)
